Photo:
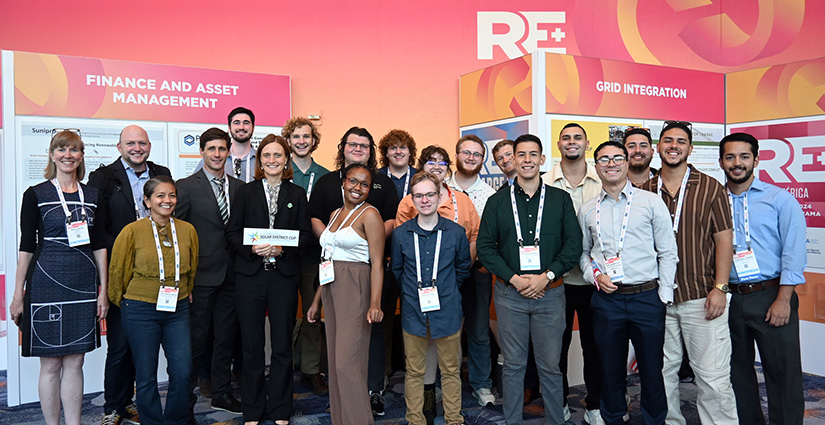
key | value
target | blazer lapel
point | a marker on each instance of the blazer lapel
(206, 184)
(125, 186)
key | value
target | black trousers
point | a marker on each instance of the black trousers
(578, 303)
(378, 334)
(213, 308)
(119, 371)
(256, 295)
(780, 355)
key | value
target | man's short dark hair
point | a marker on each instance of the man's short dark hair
(215, 133)
(637, 130)
(240, 110)
(613, 143)
(739, 137)
(525, 138)
(500, 145)
(681, 125)
(573, 124)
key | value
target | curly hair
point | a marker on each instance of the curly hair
(394, 138)
(298, 122)
(358, 131)
(428, 152)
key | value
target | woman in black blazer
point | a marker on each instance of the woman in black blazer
(268, 277)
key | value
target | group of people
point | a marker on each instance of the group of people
(167, 265)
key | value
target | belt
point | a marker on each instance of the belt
(749, 288)
(552, 285)
(268, 267)
(638, 288)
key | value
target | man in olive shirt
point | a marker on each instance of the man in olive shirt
(529, 249)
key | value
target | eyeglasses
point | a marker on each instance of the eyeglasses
(617, 160)
(430, 195)
(439, 163)
(59, 130)
(361, 146)
(354, 182)
(669, 123)
(475, 155)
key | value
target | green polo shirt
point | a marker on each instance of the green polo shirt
(314, 172)
(560, 241)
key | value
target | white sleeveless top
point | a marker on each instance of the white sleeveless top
(345, 244)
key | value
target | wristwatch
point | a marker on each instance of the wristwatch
(551, 276)
(722, 287)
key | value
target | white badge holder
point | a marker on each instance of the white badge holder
(326, 273)
(428, 299)
(746, 266)
(613, 268)
(529, 258)
(78, 233)
(167, 299)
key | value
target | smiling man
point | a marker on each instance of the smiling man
(633, 285)
(702, 224)
(639, 146)
(503, 155)
(397, 149)
(529, 237)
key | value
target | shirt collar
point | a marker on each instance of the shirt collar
(127, 167)
(557, 174)
(438, 226)
(210, 177)
(477, 184)
(625, 190)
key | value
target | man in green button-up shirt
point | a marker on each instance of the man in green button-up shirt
(529, 296)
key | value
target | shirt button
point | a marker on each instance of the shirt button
(530, 215)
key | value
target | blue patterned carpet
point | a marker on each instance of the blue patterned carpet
(309, 409)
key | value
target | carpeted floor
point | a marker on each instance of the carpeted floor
(309, 409)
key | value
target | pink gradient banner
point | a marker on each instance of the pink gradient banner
(68, 86)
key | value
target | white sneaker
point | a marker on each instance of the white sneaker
(566, 412)
(484, 396)
(593, 417)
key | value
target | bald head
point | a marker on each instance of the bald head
(134, 147)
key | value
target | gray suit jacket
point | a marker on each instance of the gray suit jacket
(197, 205)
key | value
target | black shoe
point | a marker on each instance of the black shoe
(429, 406)
(227, 403)
(192, 420)
(205, 387)
(376, 403)
(315, 383)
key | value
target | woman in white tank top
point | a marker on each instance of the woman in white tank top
(351, 276)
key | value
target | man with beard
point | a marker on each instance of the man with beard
(477, 291)
(358, 147)
(121, 187)
(503, 155)
(575, 176)
(769, 261)
(702, 224)
(639, 146)
(241, 161)
(303, 139)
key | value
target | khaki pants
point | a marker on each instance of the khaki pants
(449, 362)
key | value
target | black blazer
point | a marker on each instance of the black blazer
(250, 209)
(116, 193)
(198, 205)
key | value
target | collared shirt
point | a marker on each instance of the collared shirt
(587, 189)
(136, 182)
(302, 178)
(402, 184)
(467, 216)
(245, 174)
(210, 178)
(777, 228)
(705, 212)
(479, 192)
(453, 268)
(560, 241)
(649, 251)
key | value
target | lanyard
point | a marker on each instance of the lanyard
(309, 186)
(65, 206)
(455, 204)
(248, 166)
(679, 204)
(747, 221)
(334, 235)
(538, 218)
(435, 259)
(623, 232)
(406, 181)
(161, 268)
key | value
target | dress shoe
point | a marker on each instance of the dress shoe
(315, 383)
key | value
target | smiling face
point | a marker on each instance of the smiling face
(356, 185)
(738, 162)
(426, 197)
(399, 156)
(356, 150)
(301, 142)
(241, 128)
(610, 173)
(134, 146)
(436, 165)
(67, 159)
(273, 160)
(674, 147)
(214, 156)
(640, 152)
(504, 160)
(572, 143)
(162, 201)
(529, 160)
(470, 158)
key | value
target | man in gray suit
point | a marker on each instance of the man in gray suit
(204, 199)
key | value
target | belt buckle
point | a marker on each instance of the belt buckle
(269, 266)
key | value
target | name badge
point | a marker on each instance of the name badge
(326, 273)
(746, 266)
(529, 257)
(167, 299)
(260, 236)
(78, 233)
(613, 268)
(428, 299)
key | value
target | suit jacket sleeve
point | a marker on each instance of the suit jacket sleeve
(234, 230)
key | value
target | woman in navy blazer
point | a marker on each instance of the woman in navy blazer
(268, 277)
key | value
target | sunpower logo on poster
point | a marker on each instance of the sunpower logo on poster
(519, 33)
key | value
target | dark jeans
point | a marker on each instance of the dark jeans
(148, 330)
(476, 295)
(640, 318)
(578, 304)
(119, 371)
(213, 307)
(378, 334)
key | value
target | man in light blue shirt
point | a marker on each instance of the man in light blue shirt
(629, 252)
(769, 260)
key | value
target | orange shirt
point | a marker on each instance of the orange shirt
(467, 215)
